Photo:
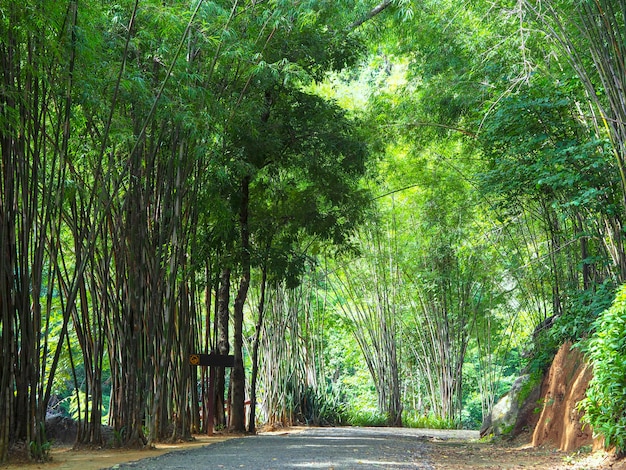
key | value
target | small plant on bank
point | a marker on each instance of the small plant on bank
(40, 450)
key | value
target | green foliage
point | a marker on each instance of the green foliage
(544, 347)
(366, 417)
(538, 149)
(40, 450)
(412, 419)
(583, 308)
(79, 402)
(533, 381)
(472, 413)
(323, 407)
(487, 376)
(553, 186)
(605, 403)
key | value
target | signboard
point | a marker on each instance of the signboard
(213, 360)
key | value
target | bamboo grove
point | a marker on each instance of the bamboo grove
(407, 190)
(145, 148)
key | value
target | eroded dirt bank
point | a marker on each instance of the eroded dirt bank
(563, 387)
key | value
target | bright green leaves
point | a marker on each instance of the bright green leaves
(303, 154)
(308, 161)
(605, 404)
(537, 148)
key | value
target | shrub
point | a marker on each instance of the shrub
(605, 403)
(582, 309)
(367, 417)
(416, 420)
(322, 407)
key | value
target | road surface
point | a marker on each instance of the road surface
(313, 448)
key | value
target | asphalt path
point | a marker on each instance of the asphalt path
(313, 448)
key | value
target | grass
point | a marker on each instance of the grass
(373, 417)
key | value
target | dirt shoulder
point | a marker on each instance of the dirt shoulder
(448, 450)
(66, 458)
(458, 454)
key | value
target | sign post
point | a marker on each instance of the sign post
(212, 361)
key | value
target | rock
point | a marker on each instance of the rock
(503, 419)
(61, 430)
(550, 411)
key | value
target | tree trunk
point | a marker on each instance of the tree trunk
(237, 421)
(223, 345)
(255, 353)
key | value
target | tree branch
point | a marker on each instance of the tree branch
(370, 14)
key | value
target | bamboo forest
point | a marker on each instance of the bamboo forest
(383, 212)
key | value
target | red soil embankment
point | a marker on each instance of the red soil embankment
(562, 388)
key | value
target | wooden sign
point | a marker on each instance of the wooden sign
(213, 360)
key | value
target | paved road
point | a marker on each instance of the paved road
(314, 448)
